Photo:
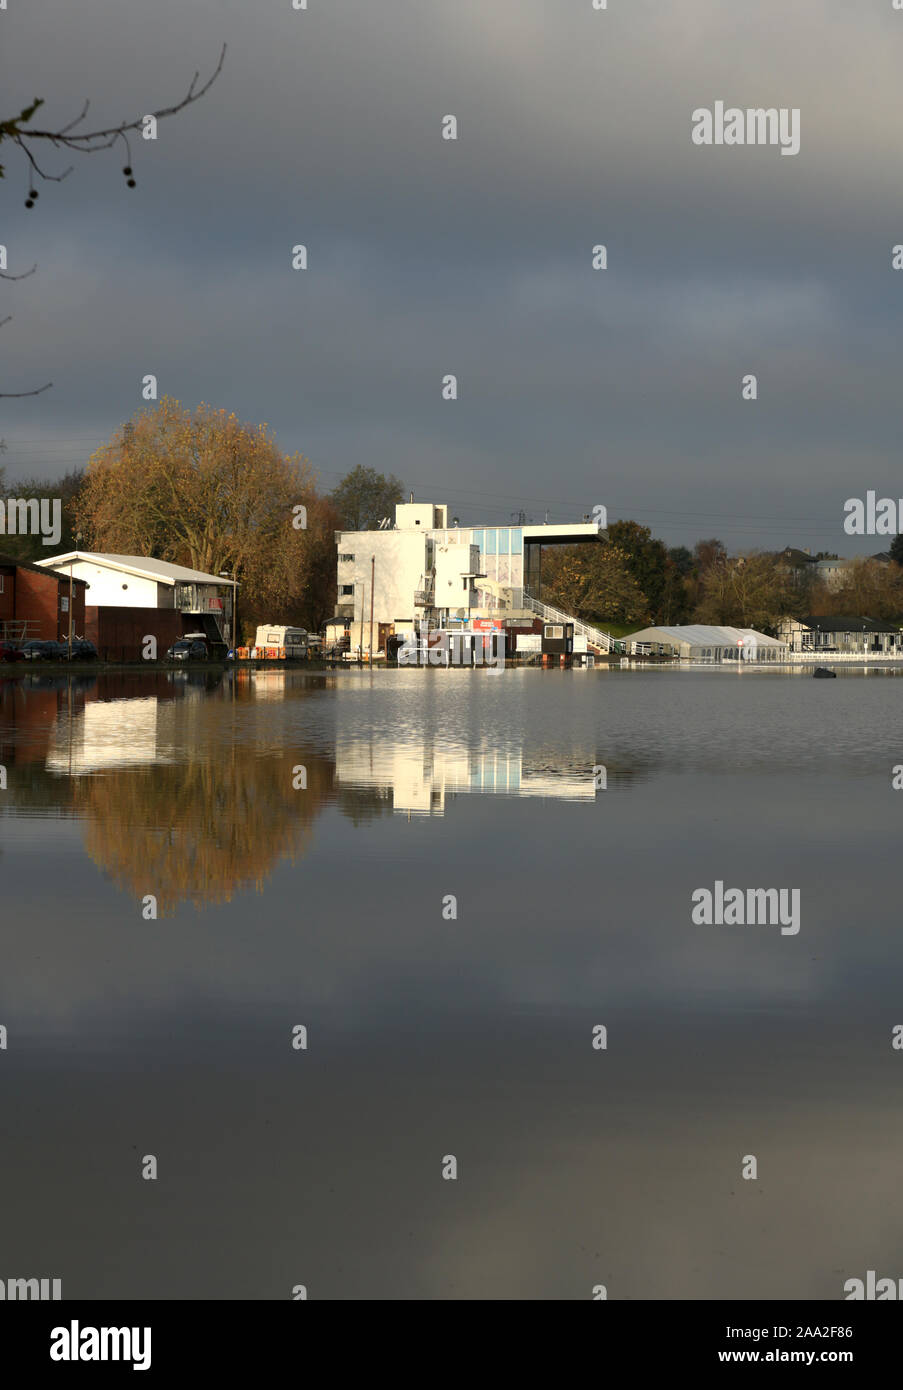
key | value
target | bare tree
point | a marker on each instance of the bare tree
(18, 130)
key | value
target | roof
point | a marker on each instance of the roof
(703, 635)
(164, 571)
(42, 567)
(836, 624)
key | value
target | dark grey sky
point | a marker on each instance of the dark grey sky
(425, 256)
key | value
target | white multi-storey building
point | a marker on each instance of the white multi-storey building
(422, 572)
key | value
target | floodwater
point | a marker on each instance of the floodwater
(303, 836)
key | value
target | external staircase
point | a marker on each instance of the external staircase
(595, 637)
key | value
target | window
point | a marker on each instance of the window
(479, 538)
(346, 588)
(490, 541)
(347, 559)
(517, 540)
(554, 631)
(2, 579)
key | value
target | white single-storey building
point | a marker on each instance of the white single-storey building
(834, 634)
(710, 644)
(136, 581)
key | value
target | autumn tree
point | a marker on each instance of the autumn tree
(202, 489)
(749, 591)
(708, 553)
(594, 582)
(869, 587)
(364, 497)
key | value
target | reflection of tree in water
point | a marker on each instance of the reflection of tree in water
(201, 830)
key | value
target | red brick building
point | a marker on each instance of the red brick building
(119, 633)
(34, 602)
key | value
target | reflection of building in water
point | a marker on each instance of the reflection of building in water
(420, 777)
(114, 733)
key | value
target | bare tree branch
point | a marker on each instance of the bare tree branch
(90, 141)
(7, 395)
(5, 275)
(57, 178)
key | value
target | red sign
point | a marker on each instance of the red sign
(486, 625)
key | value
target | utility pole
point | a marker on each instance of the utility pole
(233, 634)
(372, 578)
(71, 562)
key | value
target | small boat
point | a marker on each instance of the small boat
(824, 673)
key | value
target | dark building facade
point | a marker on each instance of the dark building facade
(34, 602)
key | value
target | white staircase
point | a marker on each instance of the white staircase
(595, 636)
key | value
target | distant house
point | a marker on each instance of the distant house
(798, 565)
(792, 555)
(121, 588)
(833, 572)
(853, 634)
(705, 643)
(34, 602)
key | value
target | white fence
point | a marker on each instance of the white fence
(831, 658)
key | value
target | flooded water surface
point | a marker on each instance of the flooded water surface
(452, 888)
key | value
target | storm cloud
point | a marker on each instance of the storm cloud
(426, 256)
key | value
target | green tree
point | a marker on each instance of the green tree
(364, 497)
(68, 490)
(896, 549)
(647, 560)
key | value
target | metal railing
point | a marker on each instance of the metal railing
(593, 635)
(827, 658)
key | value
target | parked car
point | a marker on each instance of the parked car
(10, 653)
(38, 650)
(188, 649)
(82, 649)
